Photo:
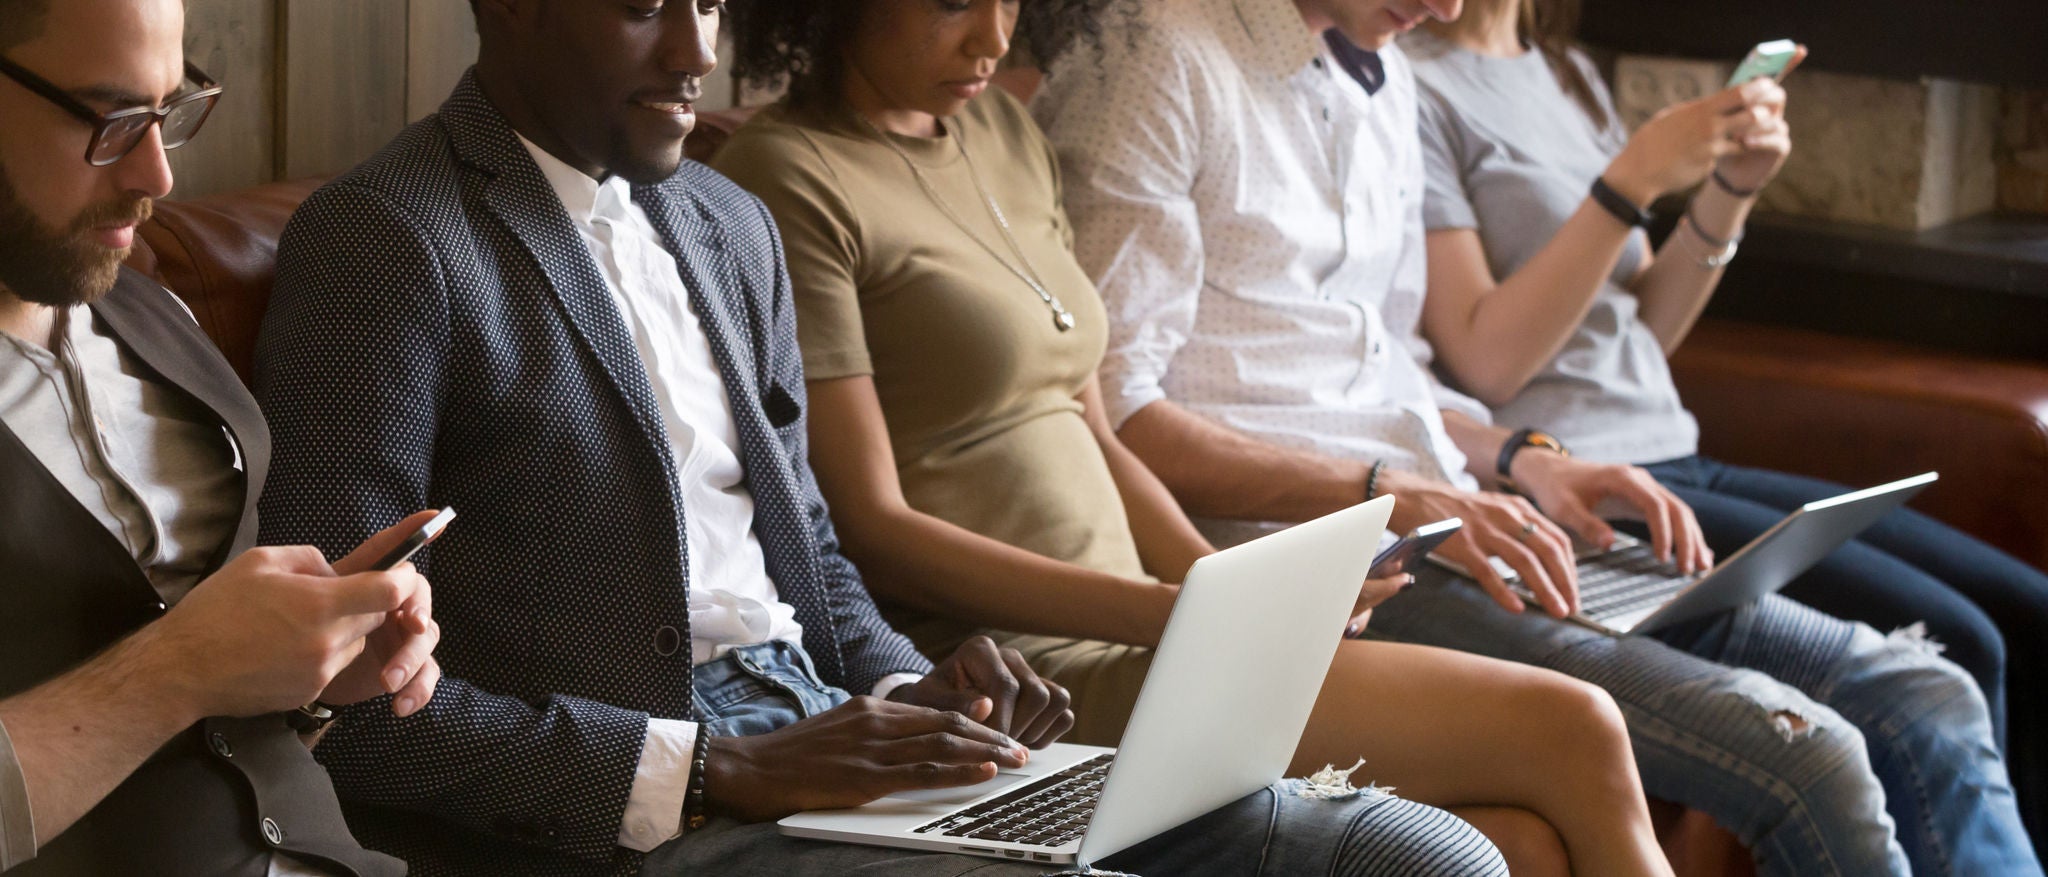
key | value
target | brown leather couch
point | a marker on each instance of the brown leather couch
(1865, 412)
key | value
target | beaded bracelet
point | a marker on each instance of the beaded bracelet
(1372, 479)
(694, 816)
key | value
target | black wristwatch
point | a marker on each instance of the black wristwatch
(310, 719)
(1524, 438)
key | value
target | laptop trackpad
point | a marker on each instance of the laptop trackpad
(964, 794)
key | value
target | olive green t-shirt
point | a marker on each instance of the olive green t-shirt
(977, 384)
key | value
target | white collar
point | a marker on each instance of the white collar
(1282, 38)
(584, 198)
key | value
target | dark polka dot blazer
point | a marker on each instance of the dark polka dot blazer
(440, 335)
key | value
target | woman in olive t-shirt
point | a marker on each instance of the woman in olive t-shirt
(950, 342)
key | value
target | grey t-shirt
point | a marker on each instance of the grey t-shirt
(1507, 152)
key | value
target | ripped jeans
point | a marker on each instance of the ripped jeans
(1279, 830)
(1825, 746)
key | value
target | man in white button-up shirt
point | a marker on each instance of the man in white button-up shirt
(1245, 184)
(1253, 218)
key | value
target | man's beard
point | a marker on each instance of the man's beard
(60, 268)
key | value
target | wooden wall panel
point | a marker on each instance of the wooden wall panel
(236, 42)
(343, 81)
(440, 44)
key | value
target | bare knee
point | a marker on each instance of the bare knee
(1530, 845)
(1579, 717)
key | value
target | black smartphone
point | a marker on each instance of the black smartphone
(419, 539)
(1404, 554)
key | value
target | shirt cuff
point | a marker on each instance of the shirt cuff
(894, 681)
(17, 824)
(654, 808)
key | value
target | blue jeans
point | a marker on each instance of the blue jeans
(757, 689)
(1792, 729)
(1986, 608)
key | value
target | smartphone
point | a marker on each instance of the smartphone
(1405, 553)
(419, 539)
(1767, 59)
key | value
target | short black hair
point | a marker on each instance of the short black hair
(800, 42)
(21, 21)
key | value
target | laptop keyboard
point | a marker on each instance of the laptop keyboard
(1627, 579)
(1049, 811)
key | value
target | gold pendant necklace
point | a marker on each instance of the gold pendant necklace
(1062, 319)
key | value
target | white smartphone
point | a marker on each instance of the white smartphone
(419, 539)
(1767, 59)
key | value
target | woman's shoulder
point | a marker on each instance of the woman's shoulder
(776, 148)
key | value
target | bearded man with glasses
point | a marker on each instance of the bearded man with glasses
(153, 667)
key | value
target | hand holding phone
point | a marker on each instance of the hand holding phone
(1401, 557)
(420, 538)
(397, 657)
(1406, 553)
(1774, 59)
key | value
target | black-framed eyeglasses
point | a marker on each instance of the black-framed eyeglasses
(116, 134)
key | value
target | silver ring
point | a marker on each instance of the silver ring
(1528, 527)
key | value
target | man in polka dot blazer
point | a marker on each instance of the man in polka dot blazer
(529, 307)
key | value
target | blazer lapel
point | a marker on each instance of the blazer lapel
(520, 197)
(716, 294)
(164, 336)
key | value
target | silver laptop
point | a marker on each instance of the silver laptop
(1626, 589)
(1231, 686)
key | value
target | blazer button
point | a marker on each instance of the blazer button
(272, 833)
(667, 641)
(219, 744)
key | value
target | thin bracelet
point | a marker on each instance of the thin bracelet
(1701, 230)
(1372, 479)
(1729, 187)
(1724, 251)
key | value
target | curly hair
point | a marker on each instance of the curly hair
(800, 42)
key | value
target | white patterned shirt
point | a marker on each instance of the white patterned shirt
(1253, 218)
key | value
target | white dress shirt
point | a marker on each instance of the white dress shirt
(733, 602)
(1253, 218)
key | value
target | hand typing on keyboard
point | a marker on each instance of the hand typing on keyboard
(994, 686)
(845, 757)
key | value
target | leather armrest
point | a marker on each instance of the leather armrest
(1864, 412)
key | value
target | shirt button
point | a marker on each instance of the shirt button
(667, 641)
(219, 743)
(1326, 114)
(1375, 348)
(1318, 62)
(272, 833)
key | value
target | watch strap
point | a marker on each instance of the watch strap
(1524, 438)
(1617, 205)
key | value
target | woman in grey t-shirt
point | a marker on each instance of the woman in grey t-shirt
(1549, 308)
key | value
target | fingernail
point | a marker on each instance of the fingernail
(1351, 630)
(403, 706)
(394, 678)
(1409, 582)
